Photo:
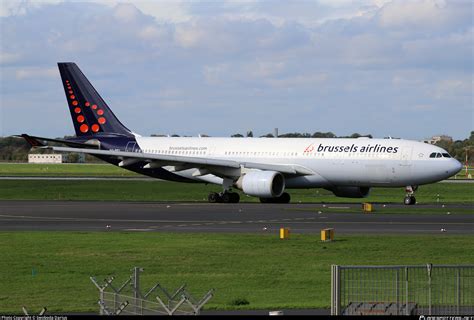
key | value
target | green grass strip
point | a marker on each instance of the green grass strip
(155, 190)
(52, 269)
(64, 169)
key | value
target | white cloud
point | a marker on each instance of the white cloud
(22, 7)
(448, 88)
(434, 14)
(34, 72)
(189, 35)
(318, 61)
(8, 57)
(126, 12)
(175, 11)
(151, 32)
(215, 74)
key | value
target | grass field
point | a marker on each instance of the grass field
(64, 169)
(155, 190)
(52, 269)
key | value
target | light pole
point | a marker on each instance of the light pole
(466, 163)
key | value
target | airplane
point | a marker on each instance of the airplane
(261, 167)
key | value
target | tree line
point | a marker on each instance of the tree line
(16, 149)
(303, 135)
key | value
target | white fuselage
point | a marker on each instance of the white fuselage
(333, 162)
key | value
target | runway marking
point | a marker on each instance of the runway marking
(294, 221)
(15, 217)
(339, 207)
(298, 224)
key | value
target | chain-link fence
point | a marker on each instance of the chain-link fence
(402, 290)
(157, 301)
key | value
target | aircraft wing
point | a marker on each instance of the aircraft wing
(198, 162)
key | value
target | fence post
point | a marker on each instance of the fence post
(335, 290)
(397, 289)
(429, 266)
(136, 289)
(458, 291)
(406, 291)
(101, 294)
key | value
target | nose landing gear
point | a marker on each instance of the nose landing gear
(410, 195)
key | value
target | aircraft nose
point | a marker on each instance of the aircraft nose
(455, 166)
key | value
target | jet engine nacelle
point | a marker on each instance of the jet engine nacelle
(350, 192)
(263, 184)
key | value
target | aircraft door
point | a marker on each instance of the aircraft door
(405, 165)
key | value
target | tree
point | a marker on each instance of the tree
(237, 135)
(268, 135)
(323, 135)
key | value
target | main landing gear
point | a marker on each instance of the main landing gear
(410, 196)
(223, 197)
(284, 198)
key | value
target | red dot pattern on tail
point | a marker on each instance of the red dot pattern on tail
(95, 127)
(84, 128)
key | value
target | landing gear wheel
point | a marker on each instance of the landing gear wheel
(230, 197)
(284, 198)
(225, 197)
(213, 197)
(234, 197)
(409, 200)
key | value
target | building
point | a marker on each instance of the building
(45, 158)
(436, 139)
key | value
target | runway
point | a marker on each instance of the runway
(232, 218)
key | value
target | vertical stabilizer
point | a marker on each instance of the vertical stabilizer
(89, 112)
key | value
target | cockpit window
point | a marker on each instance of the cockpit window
(439, 155)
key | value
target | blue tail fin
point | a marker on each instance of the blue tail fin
(90, 114)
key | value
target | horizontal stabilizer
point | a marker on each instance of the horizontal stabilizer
(38, 142)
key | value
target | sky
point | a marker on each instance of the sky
(388, 68)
